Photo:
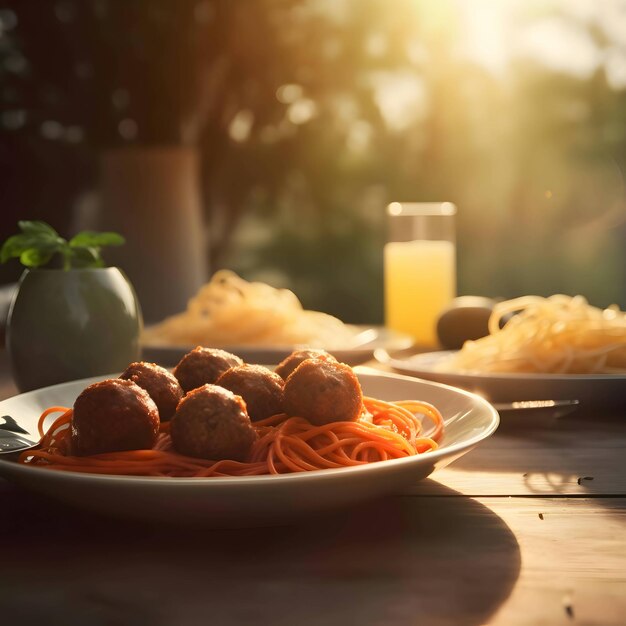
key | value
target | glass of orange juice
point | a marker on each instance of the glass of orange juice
(420, 267)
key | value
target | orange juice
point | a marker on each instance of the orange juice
(420, 281)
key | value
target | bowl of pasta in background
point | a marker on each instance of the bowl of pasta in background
(364, 342)
(555, 348)
(260, 324)
(252, 500)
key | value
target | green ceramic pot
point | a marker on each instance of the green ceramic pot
(70, 324)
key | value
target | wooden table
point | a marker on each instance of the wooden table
(529, 528)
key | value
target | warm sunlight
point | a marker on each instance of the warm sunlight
(494, 33)
(313, 312)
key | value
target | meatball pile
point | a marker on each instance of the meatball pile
(212, 400)
(203, 366)
(212, 423)
(111, 416)
(261, 389)
(161, 385)
(287, 365)
(323, 391)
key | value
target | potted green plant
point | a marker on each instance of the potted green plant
(72, 317)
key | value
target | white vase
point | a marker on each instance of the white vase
(151, 195)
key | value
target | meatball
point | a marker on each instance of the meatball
(288, 364)
(212, 423)
(113, 415)
(160, 384)
(261, 389)
(323, 392)
(202, 366)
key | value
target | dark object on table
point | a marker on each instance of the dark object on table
(553, 408)
(8, 423)
(323, 392)
(12, 436)
(113, 415)
(261, 389)
(204, 366)
(160, 384)
(212, 423)
(11, 442)
(466, 318)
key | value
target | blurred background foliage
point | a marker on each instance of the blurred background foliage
(311, 115)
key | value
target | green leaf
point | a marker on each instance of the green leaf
(15, 245)
(85, 257)
(91, 239)
(35, 257)
(39, 242)
(35, 227)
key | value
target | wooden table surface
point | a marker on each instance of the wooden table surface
(528, 528)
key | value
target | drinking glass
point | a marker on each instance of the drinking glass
(420, 267)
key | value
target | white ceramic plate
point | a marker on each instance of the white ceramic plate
(240, 501)
(367, 339)
(592, 390)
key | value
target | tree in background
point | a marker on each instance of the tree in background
(311, 116)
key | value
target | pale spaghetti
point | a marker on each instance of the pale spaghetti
(559, 334)
(386, 430)
(229, 310)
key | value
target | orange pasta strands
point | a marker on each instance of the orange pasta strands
(386, 430)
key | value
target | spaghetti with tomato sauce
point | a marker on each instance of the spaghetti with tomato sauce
(283, 443)
(386, 430)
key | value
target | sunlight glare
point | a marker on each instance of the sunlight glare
(401, 97)
(487, 31)
(560, 45)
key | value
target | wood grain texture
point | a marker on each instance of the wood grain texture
(608, 474)
(575, 556)
(531, 547)
(388, 562)
(405, 560)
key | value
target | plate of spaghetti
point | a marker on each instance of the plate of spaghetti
(261, 324)
(118, 445)
(556, 348)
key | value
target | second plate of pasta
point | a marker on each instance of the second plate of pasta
(592, 390)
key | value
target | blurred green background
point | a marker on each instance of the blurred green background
(310, 116)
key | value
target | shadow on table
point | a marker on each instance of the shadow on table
(556, 455)
(395, 561)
